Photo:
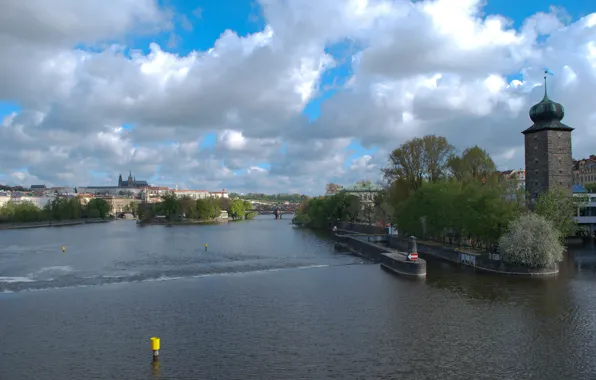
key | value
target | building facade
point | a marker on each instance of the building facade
(548, 157)
(365, 191)
(192, 194)
(219, 194)
(39, 201)
(130, 187)
(516, 178)
(584, 171)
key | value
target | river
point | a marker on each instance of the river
(269, 301)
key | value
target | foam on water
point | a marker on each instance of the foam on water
(113, 280)
(15, 279)
(43, 274)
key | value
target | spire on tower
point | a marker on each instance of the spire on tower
(545, 90)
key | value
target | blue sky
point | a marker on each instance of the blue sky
(198, 24)
(210, 19)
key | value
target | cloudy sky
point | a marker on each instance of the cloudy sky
(278, 95)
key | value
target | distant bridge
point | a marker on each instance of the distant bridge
(277, 212)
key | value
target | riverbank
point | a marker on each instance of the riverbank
(390, 259)
(188, 222)
(51, 223)
(469, 257)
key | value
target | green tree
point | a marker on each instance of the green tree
(98, 208)
(419, 160)
(591, 187)
(560, 209)
(248, 206)
(188, 207)
(474, 164)
(450, 209)
(224, 203)
(93, 213)
(237, 210)
(319, 212)
(208, 209)
(146, 211)
(170, 204)
(58, 209)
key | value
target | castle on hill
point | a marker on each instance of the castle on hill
(131, 182)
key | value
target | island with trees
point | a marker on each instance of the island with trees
(58, 212)
(457, 201)
(173, 210)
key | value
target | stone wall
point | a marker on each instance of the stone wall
(393, 261)
(482, 263)
(560, 163)
(434, 251)
(548, 162)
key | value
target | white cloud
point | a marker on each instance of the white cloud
(418, 67)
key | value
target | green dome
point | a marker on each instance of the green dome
(546, 111)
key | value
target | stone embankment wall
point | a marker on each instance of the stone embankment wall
(392, 260)
(53, 223)
(480, 262)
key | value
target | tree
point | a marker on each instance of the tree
(170, 204)
(224, 203)
(418, 160)
(99, 207)
(474, 164)
(236, 210)
(382, 207)
(248, 206)
(531, 241)
(319, 212)
(58, 209)
(560, 209)
(146, 211)
(207, 209)
(591, 187)
(450, 209)
(187, 206)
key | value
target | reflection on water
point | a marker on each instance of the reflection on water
(272, 301)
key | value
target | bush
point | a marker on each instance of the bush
(531, 241)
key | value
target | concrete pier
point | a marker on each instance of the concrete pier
(392, 260)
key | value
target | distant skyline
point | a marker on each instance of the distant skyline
(278, 96)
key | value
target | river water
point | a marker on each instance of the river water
(269, 301)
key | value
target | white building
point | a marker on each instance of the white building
(219, 194)
(193, 194)
(586, 216)
(366, 191)
(16, 198)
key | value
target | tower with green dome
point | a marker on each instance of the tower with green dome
(549, 163)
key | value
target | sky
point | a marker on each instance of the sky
(278, 95)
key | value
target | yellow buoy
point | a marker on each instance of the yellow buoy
(155, 346)
(63, 249)
(155, 343)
